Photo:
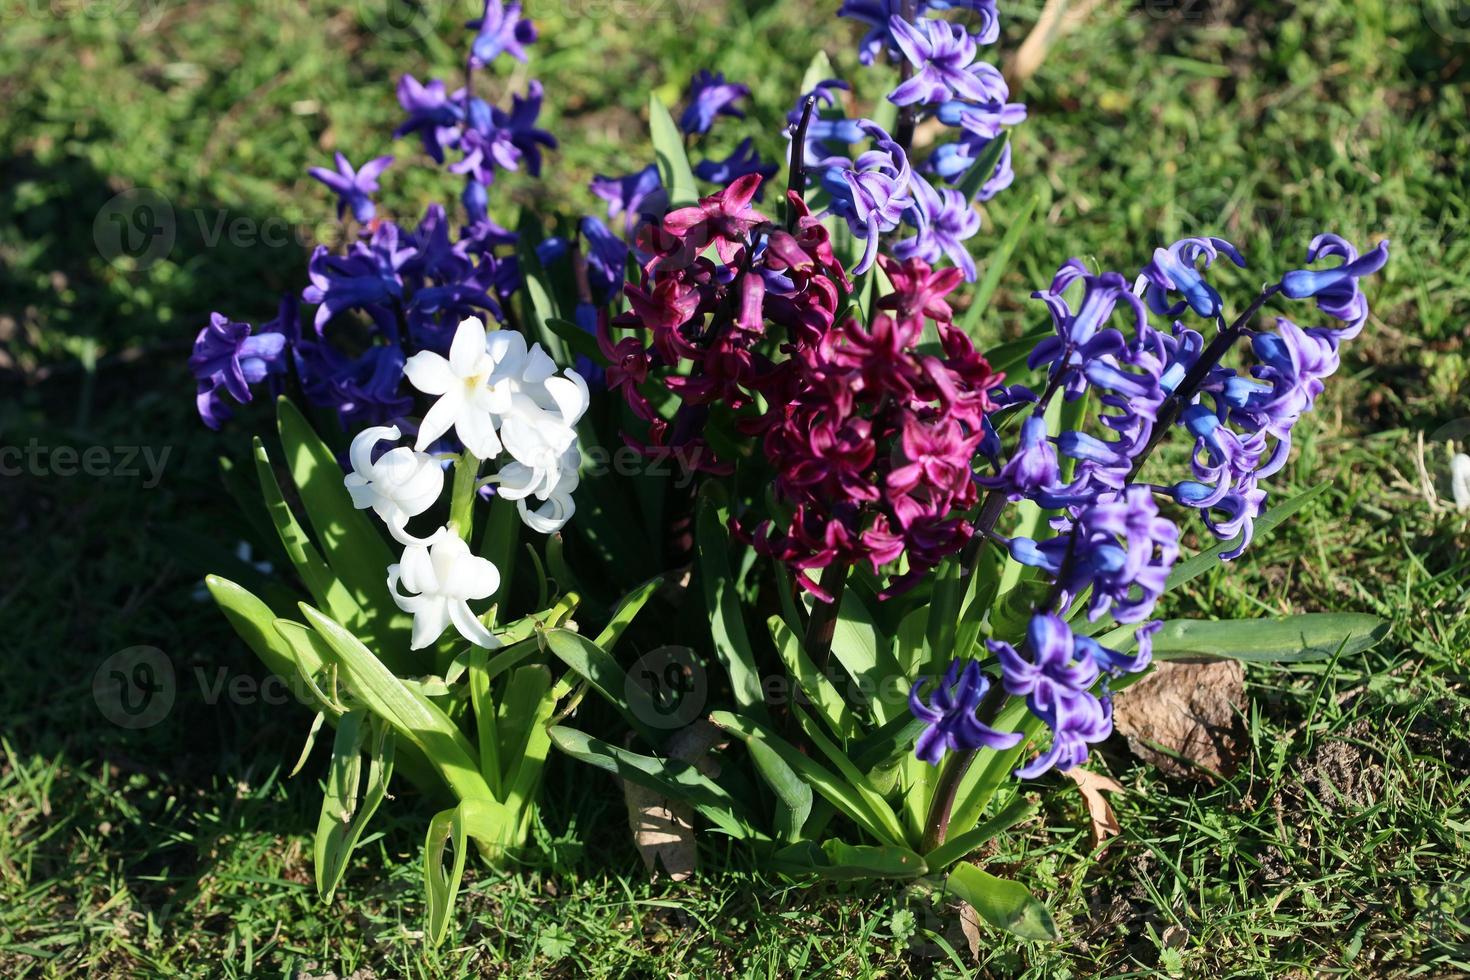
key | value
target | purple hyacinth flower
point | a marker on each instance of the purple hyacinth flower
(1032, 467)
(1336, 289)
(953, 161)
(950, 715)
(368, 278)
(943, 54)
(636, 196)
(1055, 678)
(710, 96)
(520, 125)
(228, 358)
(353, 187)
(873, 194)
(945, 222)
(431, 114)
(742, 160)
(501, 29)
(878, 15)
(607, 259)
(1175, 270)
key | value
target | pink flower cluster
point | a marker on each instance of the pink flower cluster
(872, 439)
(701, 325)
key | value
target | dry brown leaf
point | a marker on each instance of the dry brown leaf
(1192, 710)
(663, 829)
(1092, 786)
(970, 926)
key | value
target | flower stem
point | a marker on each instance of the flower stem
(1189, 387)
(903, 133)
(462, 500)
(936, 826)
(796, 180)
(823, 622)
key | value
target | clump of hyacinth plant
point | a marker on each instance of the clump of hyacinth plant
(928, 564)
(454, 434)
(969, 551)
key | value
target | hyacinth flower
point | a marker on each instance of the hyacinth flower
(228, 357)
(1055, 675)
(709, 96)
(879, 15)
(948, 713)
(872, 195)
(1174, 270)
(944, 222)
(500, 30)
(1336, 289)
(943, 55)
(397, 485)
(742, 160)
(436, 584)
(353, 187)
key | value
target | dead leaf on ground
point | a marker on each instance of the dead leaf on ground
(1092, 786)
(1183, 718)
(663, 829)
(970, 926)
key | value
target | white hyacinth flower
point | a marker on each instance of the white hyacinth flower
(521, 483)
(446, 576)
(400, 484)
(472, 385)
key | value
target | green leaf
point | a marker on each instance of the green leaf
(521, 726)
(319, 580)
(1197, 565)
(882, 825)
(961, 845)
(1278, 639)
(487, 822)
(254, 622)
(815, 685)
(793, 797)
(577, 340)
(626, 611)
(597, 666)
(673, 778)
(841, 861)
(994, 269)
(726, 612)
(866, 655)
(413, 716)
(343, 818)
(1002, 903)
(668, 151)
(499, 542)
(861, 783)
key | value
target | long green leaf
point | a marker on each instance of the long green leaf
(726, 612)
(626, 611)
(812, 683)
(597, 666)
(413, 716)
(1002, 903)
(668, 151)
(671, 777)
(343, 817)
(793, 796)
(960, 845)
(841, 861)
(996, 267)
(1278, 639)
(487, 822)
(984, 166)
(882, 825)
(867, 655)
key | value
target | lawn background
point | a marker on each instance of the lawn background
(1344, 843)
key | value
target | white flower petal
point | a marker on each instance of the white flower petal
(472, 577)
(468, 347)
(476, 429)
(441, 417)
(429, 373)
(471, 628)
(429, 622)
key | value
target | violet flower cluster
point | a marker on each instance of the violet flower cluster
(396, 290)
(882, 189)
(1112, 547)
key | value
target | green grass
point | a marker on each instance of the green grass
(1343, 845)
